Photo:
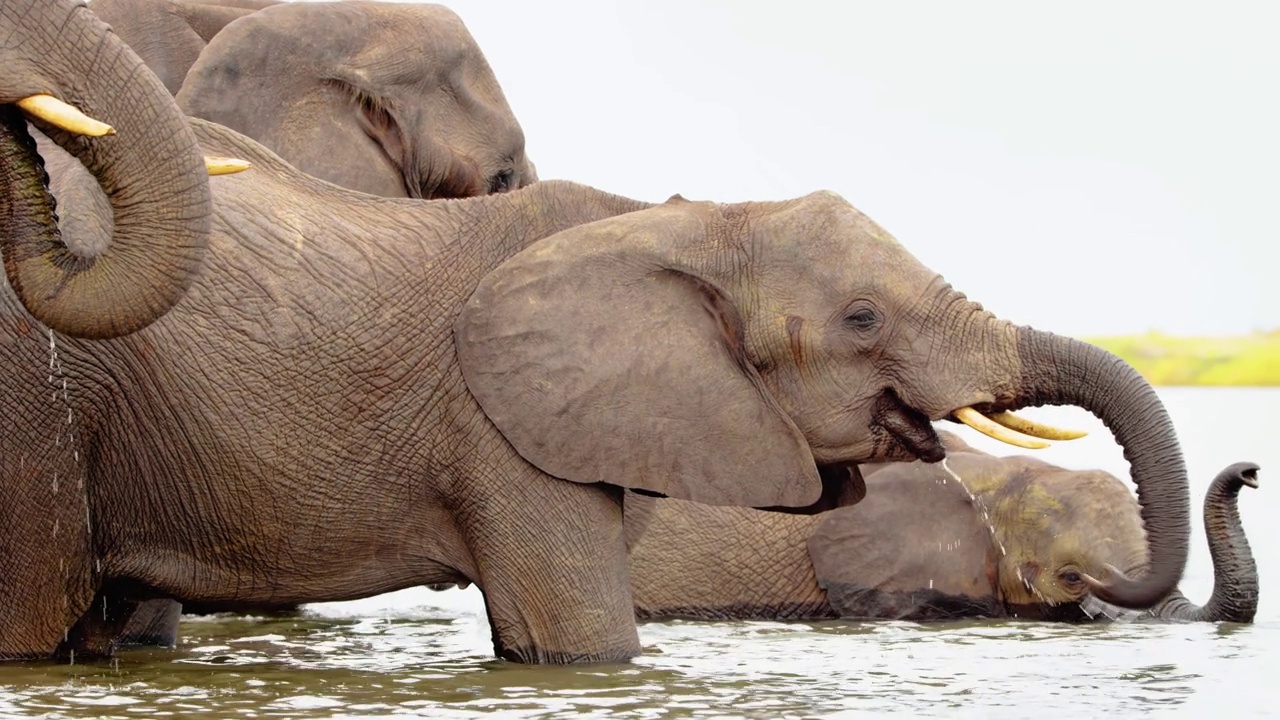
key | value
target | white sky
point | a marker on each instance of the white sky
(1086, 167)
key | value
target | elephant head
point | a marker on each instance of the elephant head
(136, 144)
(1020, 537)
(394, 100)
(682, 349)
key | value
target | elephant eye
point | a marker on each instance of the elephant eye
(863, 318)
(1071, 577)
(502, 182)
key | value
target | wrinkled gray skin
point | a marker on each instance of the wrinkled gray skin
(390, 99)
(169, 34)
(358, 394)
(919, 548)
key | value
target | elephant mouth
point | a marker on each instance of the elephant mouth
(900, 432)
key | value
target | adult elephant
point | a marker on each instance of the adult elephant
(169, 34)
(390, 99)
(1017, 539)
(359, 394)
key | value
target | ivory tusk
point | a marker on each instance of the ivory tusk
(224, 165)
(1033, 428)
(59, 114)
(986, 426)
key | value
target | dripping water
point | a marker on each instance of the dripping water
(981, 507)
(57, 380)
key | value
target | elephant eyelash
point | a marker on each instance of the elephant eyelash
(862, 319)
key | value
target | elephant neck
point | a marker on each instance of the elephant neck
(703, 562)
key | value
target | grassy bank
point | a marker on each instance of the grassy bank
(1252, 360)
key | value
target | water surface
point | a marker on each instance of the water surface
(424, 654)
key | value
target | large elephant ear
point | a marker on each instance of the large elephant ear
(604, 355)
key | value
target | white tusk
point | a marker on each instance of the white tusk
(59, 114)
(1033, 428)
(225, 166)
(986, 426)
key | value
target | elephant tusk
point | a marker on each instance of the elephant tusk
(991, 429)
(1033, 428)
(59, 114)
(224, 165)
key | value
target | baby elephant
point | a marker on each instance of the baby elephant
(1016, 539)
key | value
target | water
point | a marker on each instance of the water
(424, 654)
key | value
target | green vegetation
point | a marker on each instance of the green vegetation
(1248, 360)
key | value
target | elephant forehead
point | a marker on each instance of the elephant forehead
(424, 32)
(835, 248)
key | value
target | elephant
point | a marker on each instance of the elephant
(357, 394)
(390, 99)
(1014, 540)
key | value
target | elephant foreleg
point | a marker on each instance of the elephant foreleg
(552, 564)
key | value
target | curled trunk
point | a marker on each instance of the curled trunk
(1235, 575)
(151, 171)
(1062, 371)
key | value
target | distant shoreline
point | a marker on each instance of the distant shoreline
(1223, 361)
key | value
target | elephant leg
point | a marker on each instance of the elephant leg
(552, 564)
(97, 633)
(154, 622)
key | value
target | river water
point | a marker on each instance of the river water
(417, 653)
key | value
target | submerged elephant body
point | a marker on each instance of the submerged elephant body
(330, 395)
(1014, 540)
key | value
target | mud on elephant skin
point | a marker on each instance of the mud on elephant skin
(391, 99)
(474, 383)
(919, 548)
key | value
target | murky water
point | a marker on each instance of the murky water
(425, 654)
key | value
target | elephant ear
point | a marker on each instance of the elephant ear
(603, 355)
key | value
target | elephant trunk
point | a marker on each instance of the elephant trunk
(1061, 371)
(1235, 575)
(151, 171)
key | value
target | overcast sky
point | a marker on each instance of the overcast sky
(1088, 168)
